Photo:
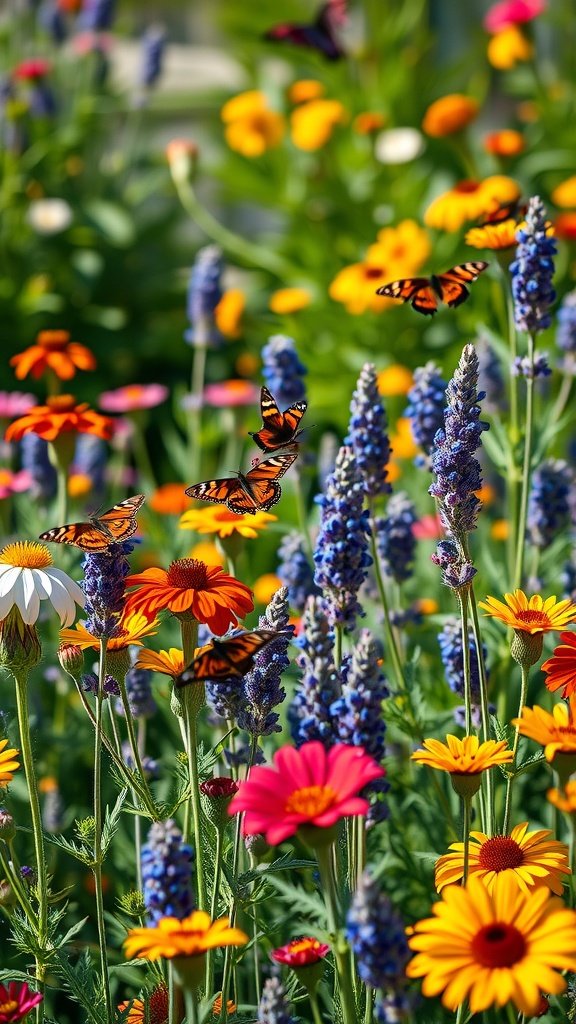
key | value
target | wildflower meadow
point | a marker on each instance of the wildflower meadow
(287, 512)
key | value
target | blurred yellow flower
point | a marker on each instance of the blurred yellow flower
(251, 127)
(313, 123)
(304, 90)
(229, 311)
(369, 121)
(470, 200)
(506, 142)
(508, 47)
(289, 300)
(395, 380)
(265, 586)
(449, 114)
(564, 194)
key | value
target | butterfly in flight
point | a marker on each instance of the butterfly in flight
(424, 293)
(225, 658)
(251, 492)
(278, 428)
(319, 34)
(115, 525)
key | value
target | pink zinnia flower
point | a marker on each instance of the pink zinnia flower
(309, 786)
(132, 397)
(15, 403)
(231, 392)
(12, 483)
(512, 12)
(16, 1001)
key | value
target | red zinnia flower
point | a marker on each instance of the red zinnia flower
(300, 952)
(309, 786)
(207, 592)
(16, 1001)
(60, 415)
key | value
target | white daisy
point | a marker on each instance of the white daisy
(27, 577)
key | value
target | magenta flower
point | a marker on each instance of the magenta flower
(133, 397)
(13, 483)
(308, 786)
(16, 1001)
(15, 403)
(231, 392)
(512, 12)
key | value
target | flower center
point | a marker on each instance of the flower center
(55, 341)
(500, 853)
(533, 617)
(498, 945)
(26, 555)
(188, 574)
(310, 801)
(467, 186)
(61, 403)
(8, 1007)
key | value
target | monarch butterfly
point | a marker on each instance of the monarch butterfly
(255, 491)
(424, 292)
(278, 428)
(225, 658)
(319, 35)
(118, 523)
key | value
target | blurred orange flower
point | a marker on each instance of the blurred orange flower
(229, 312)
(304, 90)
(289, 300)
(60, 415)
(54, 351)
(506, 142)
(170, 500)
(508, 47)
(449, 114)
(313, 123)
(470, 200)
(251, 127)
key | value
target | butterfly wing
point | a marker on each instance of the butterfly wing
(226, 658)
(452, 285)
(262, 481)
(278, 428)
(83, 535)
(119, 522)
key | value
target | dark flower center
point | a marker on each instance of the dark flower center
(500, 853)
(188, 574)
(498, 945)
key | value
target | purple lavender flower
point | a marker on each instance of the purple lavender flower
(153, 45)
(273, 1008)
(341, 557)
(377, 936)
(451, 652)
(532, 271)
(97, 15)
(283, 371)
(261, 687)
(204, 294)
(427, 398)
(295, 571)
(34, 458)
(566, 331)
(104, 576)
(368, 433)
(395, 537)
(310, 713)
(550, 501)
(167, 873)
(523, 366)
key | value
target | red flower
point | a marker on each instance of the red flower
(300, 952)
(16, 1001)
(309, 786)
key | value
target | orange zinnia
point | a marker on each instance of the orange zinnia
(560, 669)
(209, 594)
(60, 415)
(53, 350)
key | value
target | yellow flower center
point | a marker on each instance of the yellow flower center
(310, 801)
(8, 1007)
(26, 555)
(500, 853)
(498, 945)
(54, 341)
(188, 574)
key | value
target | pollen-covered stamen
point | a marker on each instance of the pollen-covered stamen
(310, 801)
(500, 853)
(188, 574)
(498, 945)
(26, 555)
(55, 341)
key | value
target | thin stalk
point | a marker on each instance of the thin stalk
(97, 865)
(29, 771)
(391, 645)
(524, 494)
(343, 966)
(512, 766)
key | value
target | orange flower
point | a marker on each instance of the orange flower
(505, 143)
(218, 520)
(170, 500)
(132, 627)
(564, 194)
(368, 121)
(560, 669)
(251, 127)
(304, 90)
(209, 594)
(449, 114)
(313, 123)
(507, 47)
(53, 351)
(565, 226)
(60, 415)
(229, 311)
(470, 200)
(289, 300)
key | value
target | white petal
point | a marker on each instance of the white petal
(76, 593)
(31, 598)
(8, 578)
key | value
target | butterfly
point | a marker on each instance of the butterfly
(225, 658)
(255, 491)
(118, 523)
(424, 292)
(278, 428)
(319, 35)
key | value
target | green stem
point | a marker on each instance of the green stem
(512, 766)
(391, 645)
(97, 865)
(26, 751)
(341, 951)
(524, 494)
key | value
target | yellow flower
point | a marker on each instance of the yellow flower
(531, 859)
(530, 615)
(191, 937)
(305, 89)
(556, 732)
(470, 200)
(465, 756)
(508, 47)
(251, 127)
(494, 236)
(132, 627)
(564, 800)
(564, 194)
(265, 586)
(368, 121)
(449, 114)
(289, 300)
(8, 764)
(506, 142)
(402, 442)
(395, 380)
(492, 948)
(167, 663)
(406, 246)
(313, 123)
(229, 312)
(217, 519)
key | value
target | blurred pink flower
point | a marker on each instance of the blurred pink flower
(15, 403)
(232, 392)
(132, 397)
(512, 12)
(428, 528)
(13, 483)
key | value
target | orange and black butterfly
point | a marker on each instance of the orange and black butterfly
(255, 491)
(115, 525)
(424, 293)
(278, 428)
(225, 658)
